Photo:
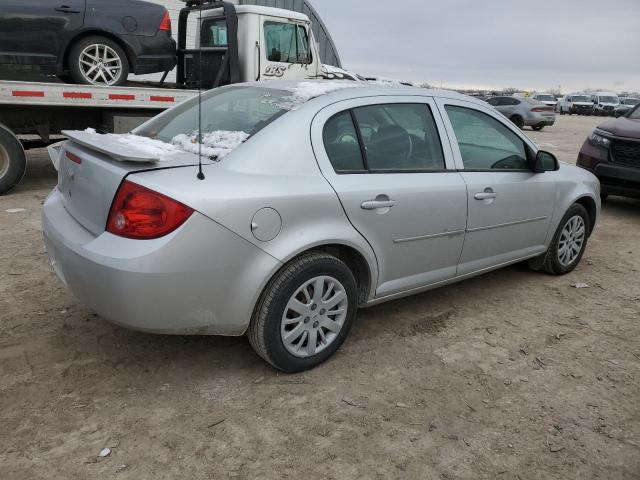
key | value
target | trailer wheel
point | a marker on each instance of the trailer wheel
(98, 61)
(13, 162)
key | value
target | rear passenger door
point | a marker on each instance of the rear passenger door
(397, 184)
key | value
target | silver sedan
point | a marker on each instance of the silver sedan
(313, 199)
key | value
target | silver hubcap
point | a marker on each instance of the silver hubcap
(4, 161)
(314, 316)
(571, 240)
(100, 64)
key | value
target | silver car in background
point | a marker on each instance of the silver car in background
(314, 199)
(626, 105)
(524, 111)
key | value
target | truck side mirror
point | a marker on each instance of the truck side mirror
(545, 162)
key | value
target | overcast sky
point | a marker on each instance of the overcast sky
(539, 44)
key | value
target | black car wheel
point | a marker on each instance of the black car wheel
(98, 61)
(538, 127)
(518, 121)
(305, 313)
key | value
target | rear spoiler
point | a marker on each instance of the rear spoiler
(108, 145)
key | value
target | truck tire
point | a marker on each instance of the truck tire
(98, 61)
(13, 162)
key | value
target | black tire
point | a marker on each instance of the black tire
(13, 162)
(538, 127)
(551, 263)
(603, 196)
(265, 328)
(518, 121)
(74, 61)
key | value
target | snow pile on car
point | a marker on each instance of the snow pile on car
(216, 144)
(304, 91)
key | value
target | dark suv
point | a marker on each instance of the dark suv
(95, 42)
(612, 153)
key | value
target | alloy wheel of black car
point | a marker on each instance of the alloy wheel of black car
(98, 61)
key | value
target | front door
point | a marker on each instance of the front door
(286, 51)
(510, 206)
(35, 32)
(385, 159)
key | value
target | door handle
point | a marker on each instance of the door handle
(66, 9)
(376, 204)
(488, 194)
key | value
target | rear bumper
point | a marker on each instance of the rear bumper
(535, 119)
(202, 279)
(151, 54)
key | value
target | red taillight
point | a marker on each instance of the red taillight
(165, 24)
(541, 109)
(140, 213)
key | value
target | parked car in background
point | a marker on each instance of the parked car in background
(546, 98)
(575, 103)
(612, 153)
(626, 105)
(605, 103)
(524, 111)
(97, 42)
(393, 191)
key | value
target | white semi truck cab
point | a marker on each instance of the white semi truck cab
(234, 43)
(248, 43)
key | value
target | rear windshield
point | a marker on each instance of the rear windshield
(231, 110)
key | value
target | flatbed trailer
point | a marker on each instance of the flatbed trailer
(45, 109)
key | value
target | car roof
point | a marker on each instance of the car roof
(356, 89)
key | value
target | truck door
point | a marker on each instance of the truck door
(286, 51)
(35, 32)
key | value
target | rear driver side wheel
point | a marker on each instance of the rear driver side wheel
(305, 313)
(98, 61)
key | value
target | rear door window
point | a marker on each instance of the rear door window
(341, 143)
(387, 138)
(400, 137)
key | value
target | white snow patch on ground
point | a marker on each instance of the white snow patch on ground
(216, 144)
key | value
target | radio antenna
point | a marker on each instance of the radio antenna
(200, 172)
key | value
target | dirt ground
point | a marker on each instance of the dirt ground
(512, 375)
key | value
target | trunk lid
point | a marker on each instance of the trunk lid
(91, 170)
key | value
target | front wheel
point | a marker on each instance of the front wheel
(305, 313)
(98, 61)
(569, 242)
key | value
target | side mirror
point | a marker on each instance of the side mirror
(545, 162)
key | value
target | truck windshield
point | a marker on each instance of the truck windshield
(580, 98)
(229, 109)
(608, 99)
(548, 98)
(631, 101)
